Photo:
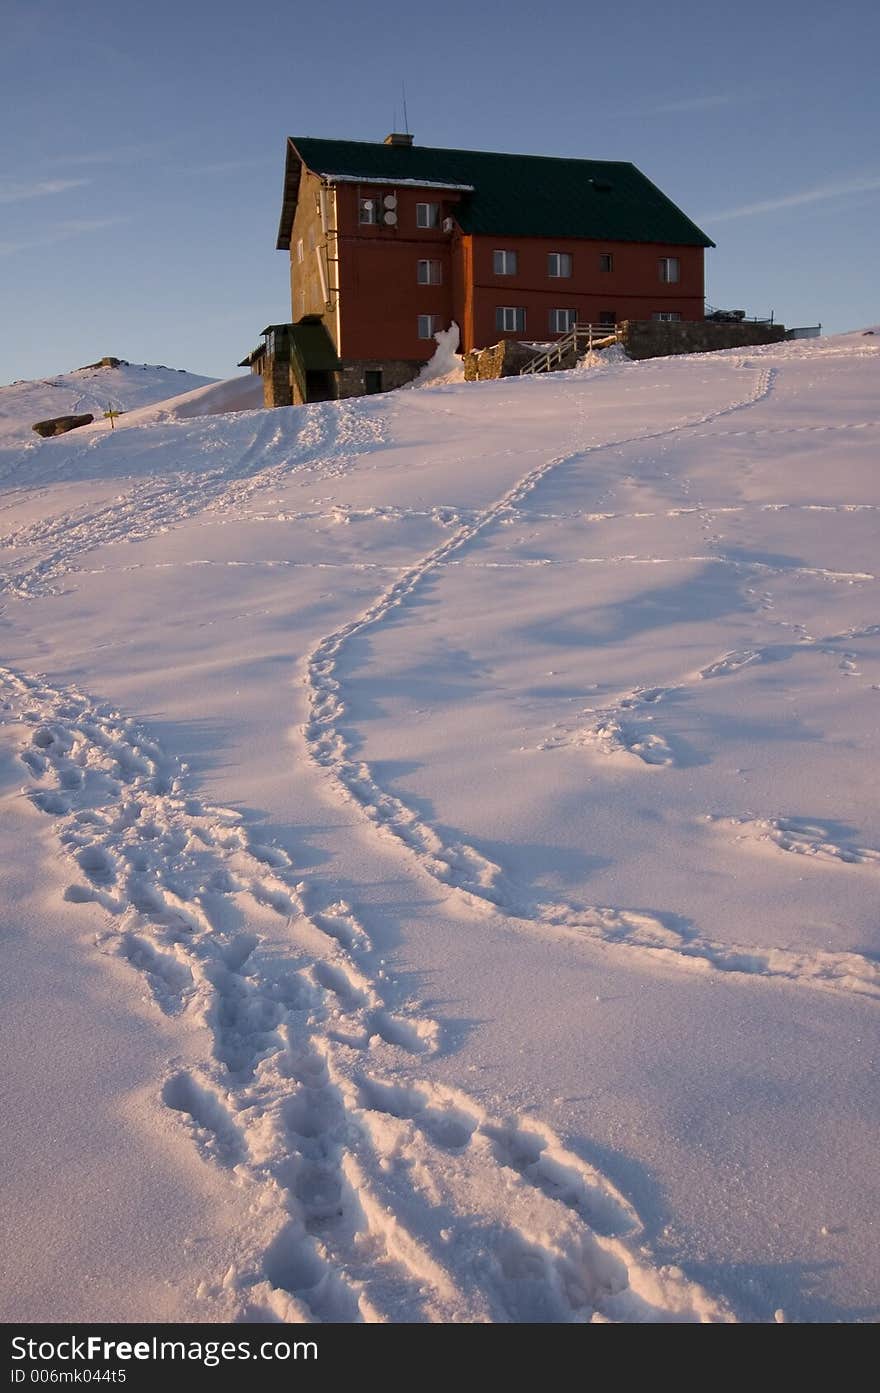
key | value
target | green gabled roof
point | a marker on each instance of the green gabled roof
(513, 195)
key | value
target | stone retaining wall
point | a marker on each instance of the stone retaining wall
(503, 359)
(651, 338)
(396, 372)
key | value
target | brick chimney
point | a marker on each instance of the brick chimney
(398, 138)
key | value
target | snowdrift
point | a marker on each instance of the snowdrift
(243, 393)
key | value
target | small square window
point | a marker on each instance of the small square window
(429, 324)
(368, 210)
(558, 264)
(427, 215)
(607, 318)
(562, 321)
(606, 261)
(504, 263)
(668, 269)
(510, 319)
(429, 273)
(372, 381)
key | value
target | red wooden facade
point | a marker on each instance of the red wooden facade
(381, 300)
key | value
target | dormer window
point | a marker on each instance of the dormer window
(368, 210)
(427, 215)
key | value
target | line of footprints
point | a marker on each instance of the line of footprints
(381, 1195)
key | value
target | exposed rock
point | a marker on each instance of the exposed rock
(106, 363)
(59, 425)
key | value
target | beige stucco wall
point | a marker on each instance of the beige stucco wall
(306, 292)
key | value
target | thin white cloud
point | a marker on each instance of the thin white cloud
(121, 155)
(71, 227)
(700, 103)
(222, 166)
(14, 191)
(820, 194)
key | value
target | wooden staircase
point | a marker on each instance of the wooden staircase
(583, 338)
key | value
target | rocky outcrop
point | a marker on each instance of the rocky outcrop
(106, 363)
(59, 425)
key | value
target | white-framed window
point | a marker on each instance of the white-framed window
(606, 261)
(666, 316)
(368, 210)
(429, 325)
(558, 265)
(510, 319)
(504, 263)
(299, 250)
(562, 321)
(427, 215)
(429, 273)
(668, 269)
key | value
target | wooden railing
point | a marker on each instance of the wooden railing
(583, 338)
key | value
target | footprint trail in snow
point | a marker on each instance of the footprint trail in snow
(623, 730)
(377, 1194)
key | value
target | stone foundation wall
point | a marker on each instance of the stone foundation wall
(396, 372)
(503, 359)
(277, 388)
(280, 387)
(651, 338)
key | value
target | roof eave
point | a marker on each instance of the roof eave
(704, 240)
(290, 196)
(389, 181)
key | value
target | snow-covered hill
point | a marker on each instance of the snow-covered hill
(92, 389)
(444, 884)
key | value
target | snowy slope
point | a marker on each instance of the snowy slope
(91, 390)
(242, 393)
(461, 803)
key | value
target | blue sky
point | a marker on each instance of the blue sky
(142, 149)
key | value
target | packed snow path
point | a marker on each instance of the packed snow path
(380, 1191)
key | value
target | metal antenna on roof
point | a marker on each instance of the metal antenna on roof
(405, 117)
